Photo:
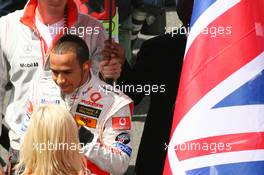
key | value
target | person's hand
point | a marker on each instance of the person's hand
(113, 59)
(113, 50)
(1, 170)
(110, 69)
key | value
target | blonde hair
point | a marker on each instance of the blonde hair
(50, 125)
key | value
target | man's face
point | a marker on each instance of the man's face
(53, 6)
(66, 71)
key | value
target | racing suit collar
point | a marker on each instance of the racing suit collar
(89, 83)
(28, 17)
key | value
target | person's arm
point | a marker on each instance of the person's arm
(113, 60)
(103, 53)
(3, 74)
(113, 153)
(127, 76)
(31, 103)
(1, 170)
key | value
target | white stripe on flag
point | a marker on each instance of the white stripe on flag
(199, 111)
(215, 10)
(222, 121)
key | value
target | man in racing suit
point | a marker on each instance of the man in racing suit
(25, 38)
(104, 115)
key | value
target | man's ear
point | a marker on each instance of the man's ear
(87, 65)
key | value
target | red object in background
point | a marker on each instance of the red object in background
(83, 8)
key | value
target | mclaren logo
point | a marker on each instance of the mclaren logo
(28, 65)
(27, 49)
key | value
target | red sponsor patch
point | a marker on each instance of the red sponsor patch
(30, 107)
(121, 123)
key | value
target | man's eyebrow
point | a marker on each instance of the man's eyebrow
(60, 70)
(54, 70)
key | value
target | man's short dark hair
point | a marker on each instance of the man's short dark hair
(72, 43)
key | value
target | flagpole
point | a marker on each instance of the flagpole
(109, 80)
(110, 20)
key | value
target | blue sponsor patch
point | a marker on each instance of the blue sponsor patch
(126, 149)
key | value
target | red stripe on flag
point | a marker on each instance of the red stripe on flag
(167, 169)
(210, 61)
(220, 144)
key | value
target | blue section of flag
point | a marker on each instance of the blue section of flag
(251, 93)
(198, 8)
(244, 168)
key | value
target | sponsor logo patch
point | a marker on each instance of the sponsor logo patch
(30, 107)
(95, 96)
(88, 111)
(49, 101)
(28, 65)
(126, 149)
(121, 123)
(86, 121)
(123, 137)
(27, 49)
(111, 149)
(92, 104)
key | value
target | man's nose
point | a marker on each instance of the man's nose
(60, 79)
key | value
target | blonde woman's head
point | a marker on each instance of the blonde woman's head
(51, 144)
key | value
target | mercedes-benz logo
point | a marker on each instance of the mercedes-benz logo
(27, 49)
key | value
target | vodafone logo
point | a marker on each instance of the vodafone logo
(95, 96)
(121, 123)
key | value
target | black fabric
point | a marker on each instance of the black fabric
(159, 62)
(85, 136)
(4, 139)
(8, 6)
(96, 6)
(136, 3)
(125, 7)
(184, 9)
(153, 6)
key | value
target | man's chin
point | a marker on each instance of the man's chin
(54, 11)
(66, 90)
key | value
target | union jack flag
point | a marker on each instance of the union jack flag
(218, 126)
